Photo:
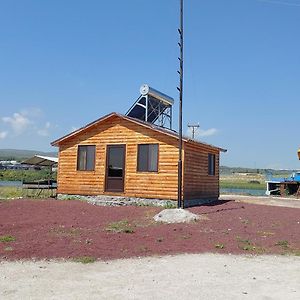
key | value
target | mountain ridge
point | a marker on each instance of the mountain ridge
(20, 154)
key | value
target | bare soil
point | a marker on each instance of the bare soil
(47, 229)
(263, 200)
(192, 276)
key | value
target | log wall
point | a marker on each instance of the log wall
(197, 184)
(162, 184)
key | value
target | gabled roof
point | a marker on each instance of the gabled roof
(153, 127)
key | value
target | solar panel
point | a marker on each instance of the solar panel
(152, 106)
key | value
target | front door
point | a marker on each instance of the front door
(115, 168)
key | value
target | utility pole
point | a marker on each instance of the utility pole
(193, 129)
(180, 204)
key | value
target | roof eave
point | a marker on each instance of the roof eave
(204, 144)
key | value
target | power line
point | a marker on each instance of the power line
(278, 2)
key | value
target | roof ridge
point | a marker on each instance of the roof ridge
(166, 131)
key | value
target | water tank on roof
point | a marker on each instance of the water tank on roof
(145, 89)
(152, 106)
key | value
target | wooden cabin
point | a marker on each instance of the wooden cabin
(122, 156)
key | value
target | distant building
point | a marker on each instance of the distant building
(14, 165)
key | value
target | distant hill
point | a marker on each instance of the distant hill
(19, 155)
(224, 170)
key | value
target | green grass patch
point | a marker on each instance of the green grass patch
(243, 241)
(170, 204)
(219, 246)
(11, 192)
(247, 245)
(296, 252)
(28, 175)
(245, 221)
(65, 232)
(122, 226)
(287, 248)
(284, 244)
(85, 259)
(7, 238)
(238, 184)
(248, 181)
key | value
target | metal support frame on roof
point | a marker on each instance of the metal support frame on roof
(152, 106)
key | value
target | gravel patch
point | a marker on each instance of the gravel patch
(206, 276)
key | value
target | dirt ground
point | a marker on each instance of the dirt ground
(198, 276)
(271, 200)
(33, 232)
(48, 229)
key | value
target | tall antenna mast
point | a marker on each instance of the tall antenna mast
(194, 127)
(180, 89)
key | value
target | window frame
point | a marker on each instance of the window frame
(211, 157)
(148, 164)
(85, 169)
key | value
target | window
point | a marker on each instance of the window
(86, 158)
(147, 158)
(211, 164)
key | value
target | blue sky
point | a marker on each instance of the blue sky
(66, 63)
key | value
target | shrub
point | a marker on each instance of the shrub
(7, 238)
(85, 259)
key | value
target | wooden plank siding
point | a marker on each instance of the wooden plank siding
(197, 184)
(161, 184)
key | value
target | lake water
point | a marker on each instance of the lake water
(250, 192)
(11, 183)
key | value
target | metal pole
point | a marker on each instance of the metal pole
(180, 89)
(146, 113)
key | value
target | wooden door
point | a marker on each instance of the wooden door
(115, 168)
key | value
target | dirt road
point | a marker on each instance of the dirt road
(199, 276)
(272, 201)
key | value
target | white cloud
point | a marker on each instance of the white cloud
(33, 112)
(19, 122)
(199, 132)
(45, 131)
(3, 135)
(73, 128)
